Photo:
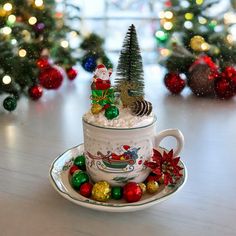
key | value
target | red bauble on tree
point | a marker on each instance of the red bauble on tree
(35, 92)
(50, 78)
(174, 82)
(42, 63)
(71, 73)
(230, 73)
(132, 192)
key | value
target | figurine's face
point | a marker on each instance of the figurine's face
(102, 74)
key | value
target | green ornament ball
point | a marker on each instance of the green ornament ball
(78, 178)
(80, 162)
(116, 192)
(111, 112)
(10, 103)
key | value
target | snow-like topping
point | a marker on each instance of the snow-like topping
(124, 120)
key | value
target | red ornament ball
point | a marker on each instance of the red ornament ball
(223, 88)
(71, 73)
(132, 192)
(35, 92)
(43, 63)
(86, 189)
(230, 73)
(50, 78)
(174, 82)
(73, 169)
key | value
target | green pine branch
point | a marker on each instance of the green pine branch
(130, 67)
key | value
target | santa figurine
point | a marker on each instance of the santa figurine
(101, 79)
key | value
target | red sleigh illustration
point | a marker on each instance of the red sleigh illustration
(117, 161)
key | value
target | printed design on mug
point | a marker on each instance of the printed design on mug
(116, 161)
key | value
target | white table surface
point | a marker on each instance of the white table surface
(37, 132)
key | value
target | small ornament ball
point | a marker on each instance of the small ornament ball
(111, 112)
(196, 43)
(78, 178)
(50, 78)
(132, 192)
(152, 186)
(101, 191)
(73, 169)
(143, 187)
(86, 189)
(201, 78)
(96, 108)
(71, 73)
(10, 103)
(89, 63)
(116, 192)
(230, 73)
(174, 82)
(80, 162)
(223, 88)
(35, 92)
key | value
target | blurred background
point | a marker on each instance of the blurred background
(44, 41)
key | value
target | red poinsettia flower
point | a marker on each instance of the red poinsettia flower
(165, 165)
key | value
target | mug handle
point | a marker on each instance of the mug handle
(176, 133)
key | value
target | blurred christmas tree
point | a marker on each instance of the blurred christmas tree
(33, 37)
(93, 53)
(194, 43)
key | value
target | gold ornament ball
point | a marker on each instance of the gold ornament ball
(152, 186)
(101, 191)
(143, 187)
(196, 42)
(96, 108)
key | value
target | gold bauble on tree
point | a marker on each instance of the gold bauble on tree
(196, 43)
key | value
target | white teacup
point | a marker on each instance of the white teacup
(117, 155)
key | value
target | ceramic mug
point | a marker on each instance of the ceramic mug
(117, 155)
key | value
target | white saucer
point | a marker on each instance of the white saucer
(59, 178)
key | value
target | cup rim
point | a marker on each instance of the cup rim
(119, 128)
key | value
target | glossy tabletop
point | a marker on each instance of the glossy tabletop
(37, 132)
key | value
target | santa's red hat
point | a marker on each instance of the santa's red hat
(100, 66)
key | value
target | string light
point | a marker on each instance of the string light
(6, 79)
(202, 20)
(64, 44)
(184, 4)
(168, 15)
(32, 20)
(168, 25)
(161, 36)
(229, 18)
(26, 35)
(22, 52)
(6, 30)
(13, 42)
(188, 24)
(188, 16)
(73, 34)
(11, 19)
(7, 6)
(205, 46)
(161, 14)
(199, 2)
(230, 38)
(38, 3)
(165, 52)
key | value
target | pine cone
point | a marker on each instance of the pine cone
(141, 108)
